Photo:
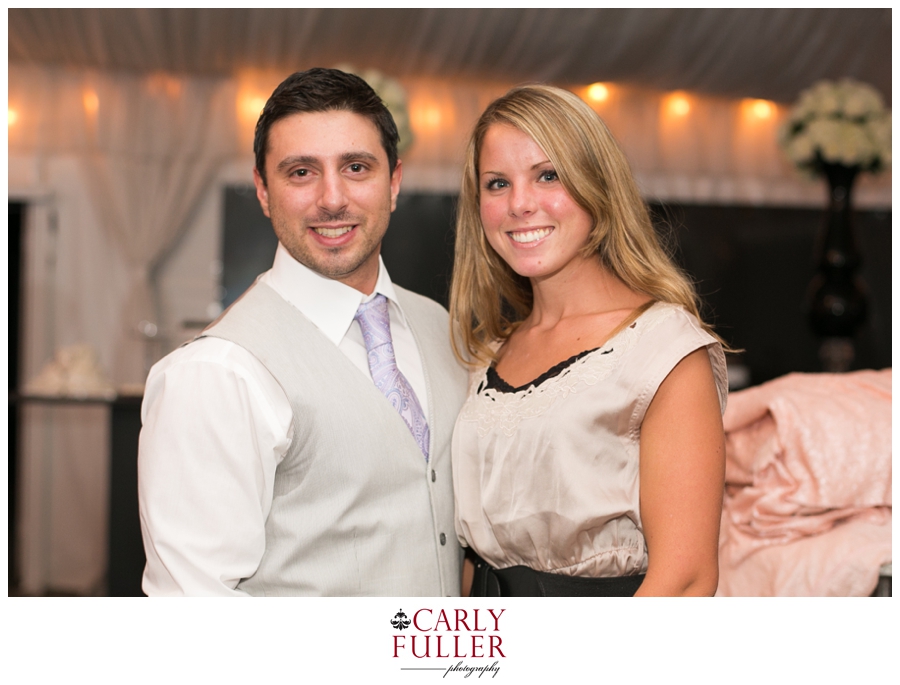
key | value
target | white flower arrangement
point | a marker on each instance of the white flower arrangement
(74, 371)
(393, 95)
(843, 122)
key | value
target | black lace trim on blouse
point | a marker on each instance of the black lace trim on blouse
(494, 382)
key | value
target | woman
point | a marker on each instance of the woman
(589, 456)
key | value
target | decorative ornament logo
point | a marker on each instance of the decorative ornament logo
(400, 621)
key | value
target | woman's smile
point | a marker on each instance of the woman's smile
(530, 236)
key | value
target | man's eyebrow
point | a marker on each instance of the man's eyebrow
(352, 156)
(361, 155)
(296, 159)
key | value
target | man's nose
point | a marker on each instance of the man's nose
(334, 192)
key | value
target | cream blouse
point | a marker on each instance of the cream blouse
(547, 476)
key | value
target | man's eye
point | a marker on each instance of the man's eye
(301, 172)
(356, 168)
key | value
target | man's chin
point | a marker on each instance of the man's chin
(357, 273)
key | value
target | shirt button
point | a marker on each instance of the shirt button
(443, 539)
(433, 476)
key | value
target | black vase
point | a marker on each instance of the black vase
(837, 295)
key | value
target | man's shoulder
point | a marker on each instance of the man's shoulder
(418, 306)
(207, 351)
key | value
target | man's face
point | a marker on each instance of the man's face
(330, 193)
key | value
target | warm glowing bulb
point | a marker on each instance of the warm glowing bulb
(427, 116)
(12, 116)
(762, 109)
(679, 105)
(91, 102)
(598, 92)
(253, 106)
(431, 117)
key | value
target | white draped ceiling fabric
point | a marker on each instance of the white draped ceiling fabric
(124, 125)
(770, 54)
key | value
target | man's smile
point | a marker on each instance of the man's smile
(332, 232)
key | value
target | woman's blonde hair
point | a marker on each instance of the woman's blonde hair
(487, 298)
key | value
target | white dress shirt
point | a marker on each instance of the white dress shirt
(215, 426)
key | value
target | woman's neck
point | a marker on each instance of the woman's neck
(589, 289)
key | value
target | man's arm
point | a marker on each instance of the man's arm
(215, 426)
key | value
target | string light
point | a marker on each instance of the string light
(251, 107)
(427, 117)
(91, 102)
(677, 104)
(598, 92)
(761, 109)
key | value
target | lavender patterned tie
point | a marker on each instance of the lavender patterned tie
(376, 329)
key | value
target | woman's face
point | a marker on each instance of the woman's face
(529, 218)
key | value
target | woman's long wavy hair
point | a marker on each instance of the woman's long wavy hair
(487, 298)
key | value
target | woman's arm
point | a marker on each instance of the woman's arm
(682, 472)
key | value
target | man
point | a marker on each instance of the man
(300, 446)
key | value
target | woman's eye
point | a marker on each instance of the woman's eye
(549, 175)
(497, 184)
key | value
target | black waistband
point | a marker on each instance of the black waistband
(521, 581)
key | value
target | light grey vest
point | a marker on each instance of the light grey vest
(356, 508)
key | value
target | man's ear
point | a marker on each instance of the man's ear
(262, 192)
(396, 177)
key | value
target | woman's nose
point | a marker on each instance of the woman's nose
(521, 201)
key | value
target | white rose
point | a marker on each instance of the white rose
(859, 146)
(392, 91)
(801, 150)
(805, 107)
(829, 103)
(824, 99)
(823, 134)
(862, 99)
(373, 77)
(855, 105)
(879, 130)
(845, 150)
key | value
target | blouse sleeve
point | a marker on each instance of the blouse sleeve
(665, 342)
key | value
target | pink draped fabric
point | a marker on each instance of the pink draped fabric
(808, 486)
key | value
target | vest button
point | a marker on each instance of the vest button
(443, 539)
(433, 476)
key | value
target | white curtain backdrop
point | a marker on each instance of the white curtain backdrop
(116, 165)
(146, 177)
(148, 146)
(124, 159)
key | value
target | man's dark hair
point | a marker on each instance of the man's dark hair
(324, 90)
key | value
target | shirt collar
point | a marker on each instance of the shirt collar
(328, 303)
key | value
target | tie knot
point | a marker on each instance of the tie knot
(377, 305)
(374, 322)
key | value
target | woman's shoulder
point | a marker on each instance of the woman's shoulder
(668, 333)
(672, 313)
